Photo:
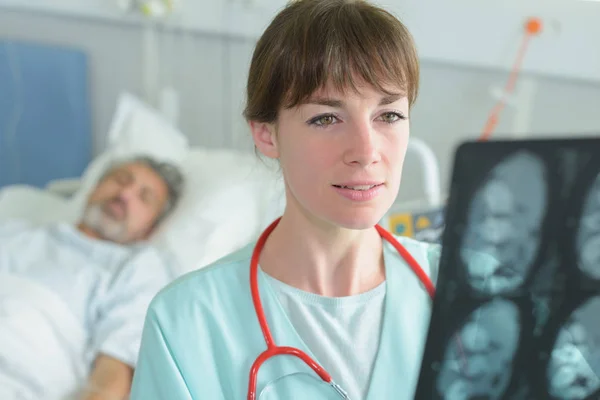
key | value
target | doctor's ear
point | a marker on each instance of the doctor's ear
(264, 135)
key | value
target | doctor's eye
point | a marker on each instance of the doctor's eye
(391, 117)
(324, 120)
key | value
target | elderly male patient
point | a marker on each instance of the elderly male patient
(73, 297)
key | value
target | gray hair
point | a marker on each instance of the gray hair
(169, 173)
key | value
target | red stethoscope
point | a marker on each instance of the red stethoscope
(274, 350)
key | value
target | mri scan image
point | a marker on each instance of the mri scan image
(479, 356)
(588, 237)
(503, 224)
(574, 368)
(517, 308)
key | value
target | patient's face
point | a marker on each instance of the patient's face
(125, 205)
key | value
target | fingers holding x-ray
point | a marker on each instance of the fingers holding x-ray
(504, 221)
(479, 356)
(588, 236)
(574, 368)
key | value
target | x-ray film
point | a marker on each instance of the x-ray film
(517, 308)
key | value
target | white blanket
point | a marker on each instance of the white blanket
(42, 346)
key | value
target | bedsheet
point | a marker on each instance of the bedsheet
(42, 351)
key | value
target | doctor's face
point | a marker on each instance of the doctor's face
(341, 154)
(125, 205)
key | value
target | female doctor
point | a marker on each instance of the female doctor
(326, 305)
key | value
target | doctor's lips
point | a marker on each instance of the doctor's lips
(359, 185)
(359, 190)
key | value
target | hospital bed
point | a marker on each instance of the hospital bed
(46, 165)
(217, 214)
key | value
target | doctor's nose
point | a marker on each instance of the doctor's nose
(362, 146)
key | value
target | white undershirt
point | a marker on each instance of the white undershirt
(342, 332)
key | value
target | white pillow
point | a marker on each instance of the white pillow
(136, 129)
(222, 186)
(230, 197)
(221, 224)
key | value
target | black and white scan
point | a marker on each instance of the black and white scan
(504, 223)
(478, 359)
(574, 368)
(517, 309)
(588, 235)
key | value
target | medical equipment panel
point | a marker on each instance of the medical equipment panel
(518, 294)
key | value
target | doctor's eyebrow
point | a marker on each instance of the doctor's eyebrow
(325, 102)
(392, 98)
(322, 101)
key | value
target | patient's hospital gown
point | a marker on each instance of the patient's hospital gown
(97, 288)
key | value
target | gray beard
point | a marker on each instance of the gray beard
(106, 227)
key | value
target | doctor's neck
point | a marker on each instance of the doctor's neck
(323, 259)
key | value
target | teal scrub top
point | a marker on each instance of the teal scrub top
(201, 335)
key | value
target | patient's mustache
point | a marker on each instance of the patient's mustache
(116, 208)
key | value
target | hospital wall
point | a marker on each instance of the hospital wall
(209, 74)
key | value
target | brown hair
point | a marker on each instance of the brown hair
(311, 43)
